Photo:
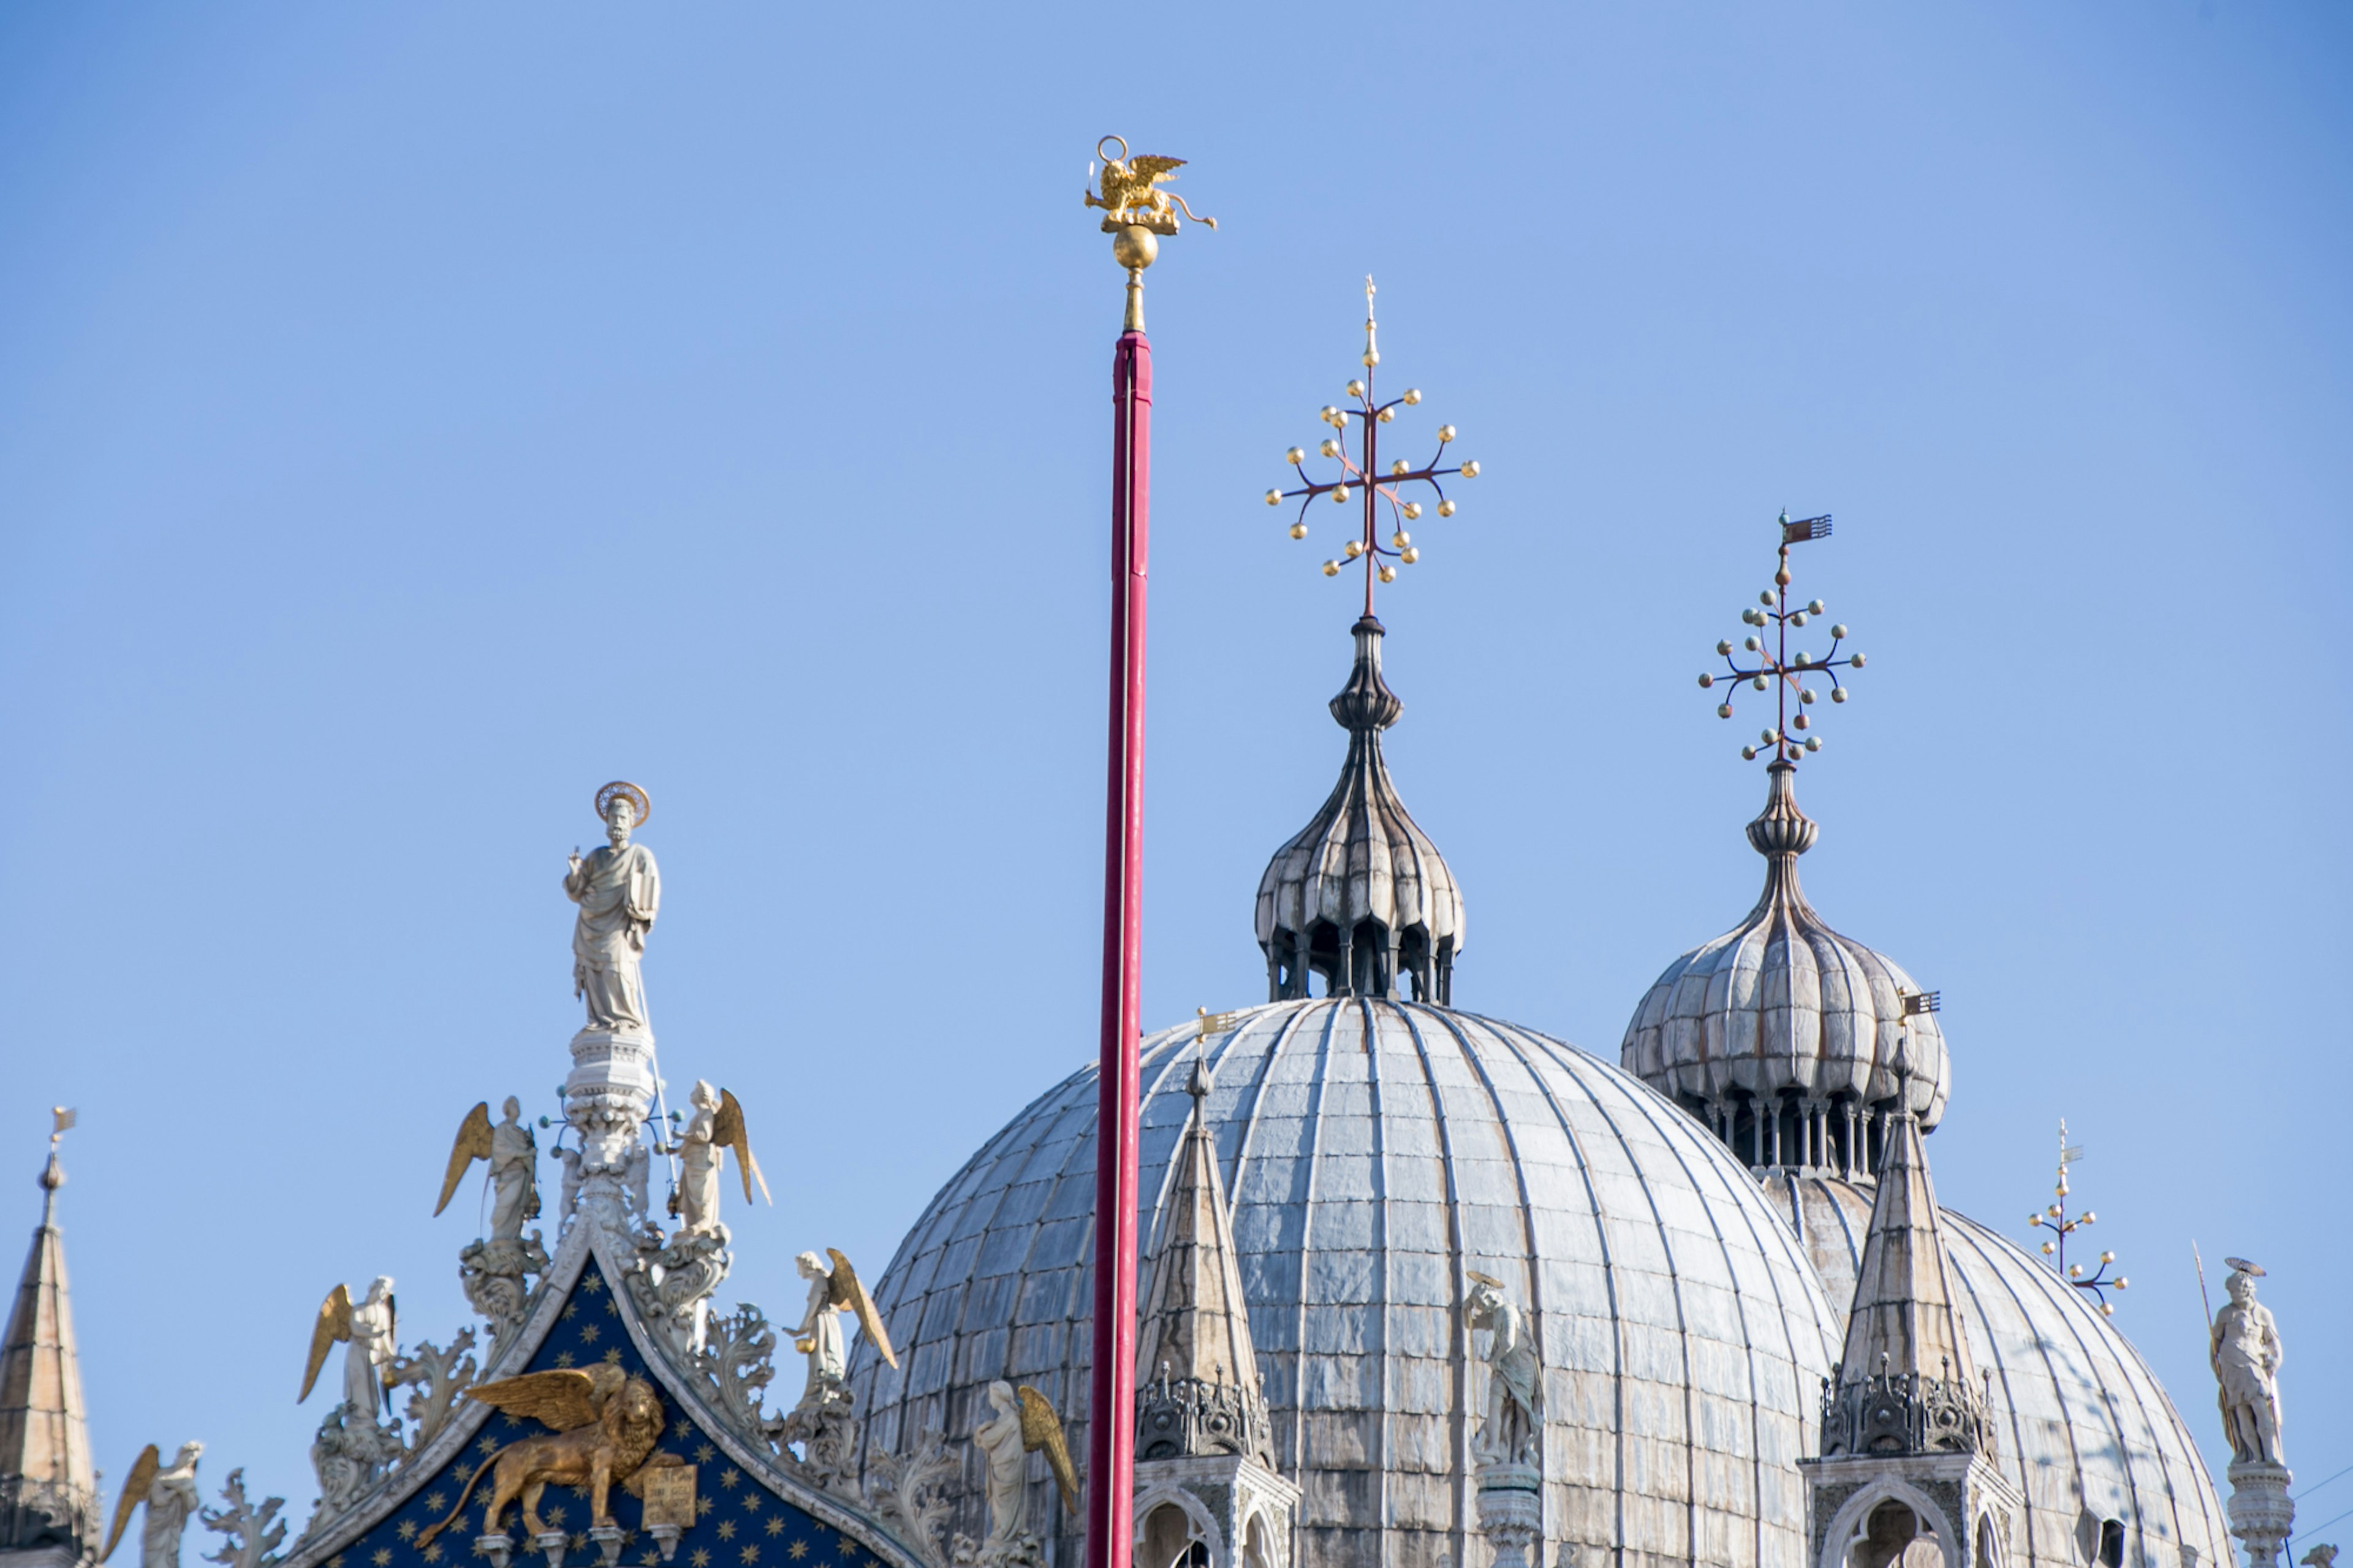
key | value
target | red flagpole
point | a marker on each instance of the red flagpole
(1111, 1405)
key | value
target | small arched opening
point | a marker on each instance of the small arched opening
(1894, 1536)
(1170, 1537)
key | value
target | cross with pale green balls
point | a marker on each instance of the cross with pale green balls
(1361, 478)
(1786, 672)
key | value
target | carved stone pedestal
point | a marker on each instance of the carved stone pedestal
(666, 1537)
(608, 1538)
(550, 1546)
(496, 1549)
(1511, 1511)
(2261, 1515)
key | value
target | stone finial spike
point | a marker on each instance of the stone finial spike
(48, 1487)
(1195, 1324)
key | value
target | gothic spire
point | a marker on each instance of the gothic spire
(48, 1491)
(1906, 1384)
(1200, 1391)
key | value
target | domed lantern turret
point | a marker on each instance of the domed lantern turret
(1780, 1034)
(1360, 895)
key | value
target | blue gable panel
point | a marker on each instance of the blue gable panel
(740, 1522)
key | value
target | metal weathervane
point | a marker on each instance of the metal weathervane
(1362, 479)
(1779, 668)
(2054, 1220)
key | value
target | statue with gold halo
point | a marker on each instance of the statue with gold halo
(618, 890)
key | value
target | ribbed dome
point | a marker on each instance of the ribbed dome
(1360, 895)
(2082, 1426)
(1375, 1151)
(1782, 1014)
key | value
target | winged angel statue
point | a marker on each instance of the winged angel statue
(1132, 196)
(512, 1156)
(603, 1425)
(169, 1494)
(370, 1329)
(716, 1125)
(1023, 1424)
(834, 1289)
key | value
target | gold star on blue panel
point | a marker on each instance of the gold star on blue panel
(732, 1506)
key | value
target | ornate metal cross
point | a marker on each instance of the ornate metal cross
(2054, 1220)
(1361, 478)
(1776, 667)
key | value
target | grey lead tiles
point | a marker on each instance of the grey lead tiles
(1683, 1330)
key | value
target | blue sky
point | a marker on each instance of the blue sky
(411, 416)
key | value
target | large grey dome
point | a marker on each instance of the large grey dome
(2084, 1429)
(1376, 1151)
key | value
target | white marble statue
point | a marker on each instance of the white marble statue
(171, 1498)
(168, 1493)
(370, 1348)
(1508, 1433)
(999, 1441)
(619, 891)
(819, 1335)
(514, 1175)
(697, 1153)
(2245, 1345)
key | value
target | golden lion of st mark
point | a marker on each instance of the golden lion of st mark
(605, 1424)
(1132, 196)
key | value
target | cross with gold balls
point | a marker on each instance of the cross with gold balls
(1362, 479)
(1784, 671)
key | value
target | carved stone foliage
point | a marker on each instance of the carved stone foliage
(251, 1533)
(496, 1276)
(351, 1454)
(673, 1283)
(436, 1377)
(737, 1363)
(912, 1492)
(826, 1433)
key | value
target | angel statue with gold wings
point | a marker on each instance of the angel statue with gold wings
(169, 1494)
(716, 1125)
(833, 1291)
(512, 1154)
(370, 1330)
(1022, 1424)
(603, 1424)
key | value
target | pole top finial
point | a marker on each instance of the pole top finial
(1137, 214)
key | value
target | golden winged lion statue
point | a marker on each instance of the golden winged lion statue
(604, 1423)
(1132, 196)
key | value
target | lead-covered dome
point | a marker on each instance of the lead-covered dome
(2082, 1426)
(1780, 1034)
(1375, 1151)
(1360, 895)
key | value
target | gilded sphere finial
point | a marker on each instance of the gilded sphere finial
(1134, 247)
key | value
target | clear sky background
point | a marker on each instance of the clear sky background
(411, 416)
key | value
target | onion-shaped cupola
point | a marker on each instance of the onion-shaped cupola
(1782, 1034)
(1360, 895)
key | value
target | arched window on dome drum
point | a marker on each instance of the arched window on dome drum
(1170, 1538)
(1839, 1136)
(1894, 1536)
(2112, 1544)
(1255, 1550)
